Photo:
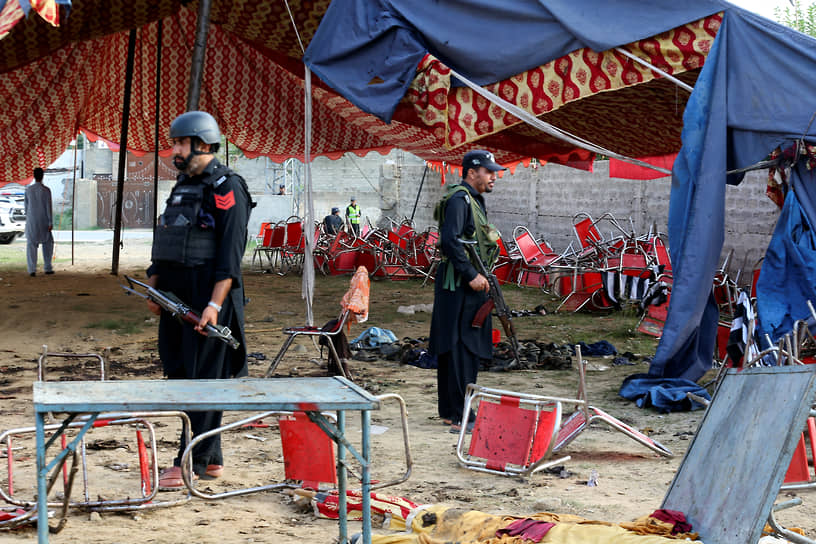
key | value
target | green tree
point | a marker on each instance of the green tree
(799, 17)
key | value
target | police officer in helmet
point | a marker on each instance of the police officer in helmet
(197, 250)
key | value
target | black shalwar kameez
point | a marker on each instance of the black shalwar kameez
(458, 345)
(184, 352)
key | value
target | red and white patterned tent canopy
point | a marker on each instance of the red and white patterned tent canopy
(55, 81)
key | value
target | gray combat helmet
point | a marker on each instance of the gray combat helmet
(199, 124)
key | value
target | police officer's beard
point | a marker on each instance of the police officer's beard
(182, 163)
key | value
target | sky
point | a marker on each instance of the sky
(765, 7)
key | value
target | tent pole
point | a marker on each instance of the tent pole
(419, 192)
(73, 196)
(159, 35)
(120, 186)
(199, 50)
(655, 69)
(226, 152)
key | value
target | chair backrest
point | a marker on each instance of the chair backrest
(401, 235)
(262, 229)
(308, 452)
(277, 235)
(502, 248)
(545, 247)
(662, 254)
(267, 235)
(634, 262)
(527, 246)
(294, 232)
(587, 232)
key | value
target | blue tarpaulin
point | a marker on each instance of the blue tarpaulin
(788, 275)
(754, 93)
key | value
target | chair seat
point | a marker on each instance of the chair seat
(291, 330)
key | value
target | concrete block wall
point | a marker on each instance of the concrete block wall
(334, 182)
(546, 198)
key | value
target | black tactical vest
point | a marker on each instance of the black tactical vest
(186, 231)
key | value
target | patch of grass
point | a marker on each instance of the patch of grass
(118, 326)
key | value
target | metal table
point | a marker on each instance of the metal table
(310, 395)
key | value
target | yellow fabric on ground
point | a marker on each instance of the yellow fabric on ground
(438, 524)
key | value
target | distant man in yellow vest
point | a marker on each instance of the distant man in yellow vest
(353, 216)
(460, 290)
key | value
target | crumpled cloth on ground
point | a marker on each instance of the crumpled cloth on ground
(681, 525)
(439, 524)
(665, 394)
(660, 522)
(373, 338)
(596, 349)
(528, 529)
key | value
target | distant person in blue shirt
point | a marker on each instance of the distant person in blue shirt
(333, 223)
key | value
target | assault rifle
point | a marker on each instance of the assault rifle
(496, 301)
(179, 310)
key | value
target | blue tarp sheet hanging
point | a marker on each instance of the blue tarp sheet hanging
(754, 93)
(788, 275)
(368, 50)
(734, 118)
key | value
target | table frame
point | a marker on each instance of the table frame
(310, 395)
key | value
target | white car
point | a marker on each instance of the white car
(12, 216)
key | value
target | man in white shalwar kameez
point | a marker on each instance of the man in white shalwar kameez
(38, 224)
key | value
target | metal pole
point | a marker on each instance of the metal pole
(655, 69)
(159, 33)
(120, 186)
(199, 50)
(226, 152)
(419, 192)
(73, 197)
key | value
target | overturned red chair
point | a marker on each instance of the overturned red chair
(513, 434)
(516, 434)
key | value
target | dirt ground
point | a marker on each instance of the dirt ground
(82, 309)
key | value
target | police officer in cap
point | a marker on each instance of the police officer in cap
(460, 290)
(197, 250)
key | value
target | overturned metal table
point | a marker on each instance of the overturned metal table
(311, 395)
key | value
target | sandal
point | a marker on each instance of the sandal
(170, 479)
(214, 471)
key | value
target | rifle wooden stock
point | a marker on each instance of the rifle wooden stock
(481, 315)
(496, 301)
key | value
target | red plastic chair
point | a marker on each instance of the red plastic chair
(513, 434)
(264, 243)
(292, 251)
(800, 475)
(536, 262)
(582, 290)
(507, 266)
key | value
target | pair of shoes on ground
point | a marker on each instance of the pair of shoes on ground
(170, 478)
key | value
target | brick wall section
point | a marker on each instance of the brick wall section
(546, 199)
